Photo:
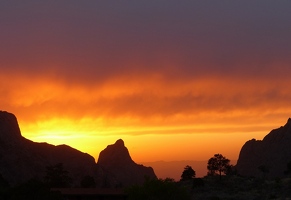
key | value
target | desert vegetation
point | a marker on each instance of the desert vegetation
(221, 182)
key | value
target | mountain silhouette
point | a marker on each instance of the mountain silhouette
(117, 160)
(272, 153)
(22, 159)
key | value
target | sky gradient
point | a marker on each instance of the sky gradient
(176, 80)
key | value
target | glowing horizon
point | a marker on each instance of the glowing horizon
(79, 121)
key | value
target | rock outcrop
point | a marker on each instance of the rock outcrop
(22, 159)
(116, 159)
(273, 153)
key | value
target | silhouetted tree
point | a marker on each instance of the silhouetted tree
(88, 182)
(218, 164)
(188, 173)
(57, 177)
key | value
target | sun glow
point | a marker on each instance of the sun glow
(145, 143)
(151, 113)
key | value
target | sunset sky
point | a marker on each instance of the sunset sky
(176, 80)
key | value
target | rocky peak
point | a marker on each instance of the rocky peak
(22, 159)
(9, 129)
(119, 143)
(288, 124)
(116, 159)
(115, 154)
(284, 132)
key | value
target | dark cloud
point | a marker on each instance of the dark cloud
(94, 40)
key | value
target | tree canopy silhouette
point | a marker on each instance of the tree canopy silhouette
(188, 173)
(218, 164)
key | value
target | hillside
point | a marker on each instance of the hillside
(272, 153)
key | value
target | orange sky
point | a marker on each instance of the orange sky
(158, 119)
(175, 81)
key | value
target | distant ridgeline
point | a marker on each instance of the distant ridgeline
(22, 160)
(268, 157)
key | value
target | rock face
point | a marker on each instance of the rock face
(9, 129)
(116, 159)
(273, 152)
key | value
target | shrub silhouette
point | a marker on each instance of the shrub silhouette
(188, 173)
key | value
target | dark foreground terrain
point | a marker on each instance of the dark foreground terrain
(213, 188)
(242, 188)
(207, 188)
